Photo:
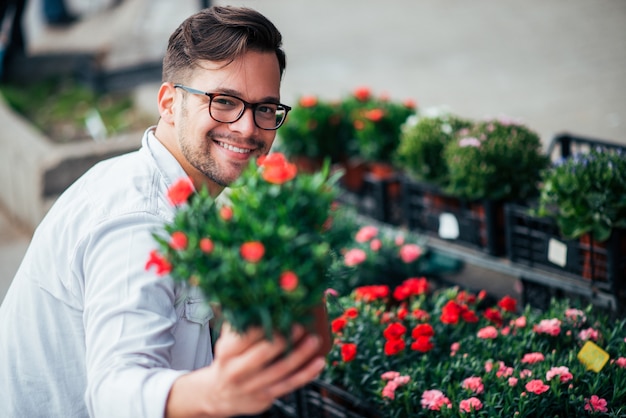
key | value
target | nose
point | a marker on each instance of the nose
(245, 124)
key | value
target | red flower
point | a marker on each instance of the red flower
(348, 352)
(393, 347)
(362, 94)
(180, 191)
(423, 344)
(157, 260)
(450, 313)
(206, 245)
(288, 281)
(351, 312)
(308, 101)
(423, 330)
(276, 169)
(226, 213)
(494, 316)
(469, 316)
(411, 287)
(375, 115)
(371, 293)
(508, 304)
(420, 315)
(178, 240)
(337, 325)
(595, 404)
(252, 251)
(394, 331)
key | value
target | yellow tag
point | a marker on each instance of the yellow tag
(593, 356)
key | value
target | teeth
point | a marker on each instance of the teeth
(234, 149)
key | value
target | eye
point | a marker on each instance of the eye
(226, 102)
(266, 109)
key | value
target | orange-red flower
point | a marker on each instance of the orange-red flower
(288, 281)
(375, 115)
(362, 93)
(206, 245)
(252, 251)
(180, 191)
(226, 213)
(157, 260)
(178, 240)
(308, 101)
(338, 324)
(276, 168)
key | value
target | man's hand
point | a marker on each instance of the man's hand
(248, 373)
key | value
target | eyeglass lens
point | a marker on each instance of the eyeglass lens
(228, 109)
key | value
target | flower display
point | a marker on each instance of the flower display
(434, 352)
(263, 254)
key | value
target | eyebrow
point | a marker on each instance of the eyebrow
(231, 92)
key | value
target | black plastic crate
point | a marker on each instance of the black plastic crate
(564, 145)
(321, 399)
(477, 224)
(377, 198)
(536, 242)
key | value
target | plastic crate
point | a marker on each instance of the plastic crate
(477, 224)
(536, 242)
(321, 399)
(563, 145)
(377, 198)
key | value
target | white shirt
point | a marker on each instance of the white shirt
(84, 328)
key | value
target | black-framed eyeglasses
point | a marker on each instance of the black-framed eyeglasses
(226, 108)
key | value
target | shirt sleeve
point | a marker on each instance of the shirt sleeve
(129, 315)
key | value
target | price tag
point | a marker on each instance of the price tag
(593, 356)
(557, 252)
(448, 226)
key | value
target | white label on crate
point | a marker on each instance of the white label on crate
(557, 252)
(448, 226)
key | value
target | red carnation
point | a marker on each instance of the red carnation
(178, 240)
(348, 352)
(157, 260)
(180, 191)
(394, 331)
(206, 245)
(252, 251)
(393, 347)
(288, 281)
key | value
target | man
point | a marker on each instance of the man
(84, 328)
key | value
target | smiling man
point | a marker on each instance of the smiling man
(85, 330)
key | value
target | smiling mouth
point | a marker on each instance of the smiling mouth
(233, 148)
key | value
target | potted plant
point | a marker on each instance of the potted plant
(262, 255)
(311, 133)
(376, 123)
(585, 194)
(497, 160)
(422, 141)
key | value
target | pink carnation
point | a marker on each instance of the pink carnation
(488, 332)
(531, 358)
(589, 334)
(512, 381)
(471, 404)
(434, 399)
(473, 383)
(548, 326)
(519, 322)
(575, 315)
(354, 257)
(595, 404)
(366, 233)
(621, 362)
(410, 252)
(390, 375)
(562, 372)
(537, 387)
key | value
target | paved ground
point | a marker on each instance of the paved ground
(557, 66)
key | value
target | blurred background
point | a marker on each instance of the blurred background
(556, 66)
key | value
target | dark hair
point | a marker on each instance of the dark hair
(219, 33)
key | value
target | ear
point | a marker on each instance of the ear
(165, 100)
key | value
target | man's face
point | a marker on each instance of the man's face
(220, 151)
